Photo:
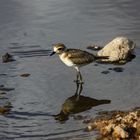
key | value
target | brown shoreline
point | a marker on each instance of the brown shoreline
(117, 125)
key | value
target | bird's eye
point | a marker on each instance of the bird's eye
(59, 49)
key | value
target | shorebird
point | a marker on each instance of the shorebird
(74, 58)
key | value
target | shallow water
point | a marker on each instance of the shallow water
(28, 29)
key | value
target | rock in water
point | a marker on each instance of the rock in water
(7, 58)
(94, 47)
(4, 110)
(118, 50)
(25, 75)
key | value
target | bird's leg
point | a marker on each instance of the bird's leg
(81, 83)
(81, 79)
(81, 88)
(77, 83)
(77, 78)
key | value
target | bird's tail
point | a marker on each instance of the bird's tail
(101, 57)
(104, 101)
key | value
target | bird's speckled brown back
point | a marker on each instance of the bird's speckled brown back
(79, 57)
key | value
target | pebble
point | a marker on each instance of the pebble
(94, 47)
(105, 72)
(7, 58)
(117, 69)
(25, 75)
(4, 110)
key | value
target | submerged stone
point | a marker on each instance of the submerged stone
(25, 75)
(94, 47)
(2, 93)
(117, 69)
(105, 72)
(7, 58)
(4, 110)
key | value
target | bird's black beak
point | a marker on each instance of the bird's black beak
(52, 53)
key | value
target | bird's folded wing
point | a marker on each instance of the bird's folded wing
(80, 57)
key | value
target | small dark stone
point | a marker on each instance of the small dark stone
(110, 68)
(117, 69)
(4, 110)
(7, 58)
(20, 108)
(2, 93)
(94, 47)
(105, 72)
(3, 74)
(95, 64)
(1, 86)
(25, 75)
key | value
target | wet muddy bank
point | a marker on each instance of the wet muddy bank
(116, 125)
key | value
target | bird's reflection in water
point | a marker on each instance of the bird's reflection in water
(73, 106)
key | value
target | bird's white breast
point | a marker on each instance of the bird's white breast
(66, 60)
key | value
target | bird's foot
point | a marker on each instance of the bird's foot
(78, 82)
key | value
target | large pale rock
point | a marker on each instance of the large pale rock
(118, 49)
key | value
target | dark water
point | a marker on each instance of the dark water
(27, 30)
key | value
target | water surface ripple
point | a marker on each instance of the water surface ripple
(28, 30)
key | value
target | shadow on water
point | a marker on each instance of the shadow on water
(73, 106)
